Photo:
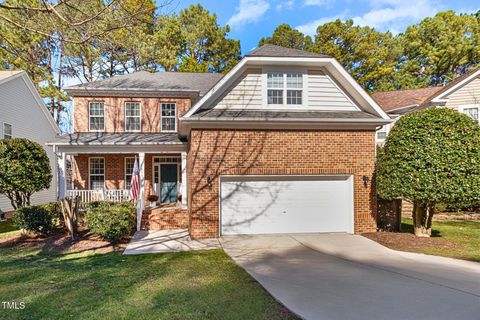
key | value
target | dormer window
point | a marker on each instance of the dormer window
(284, 88)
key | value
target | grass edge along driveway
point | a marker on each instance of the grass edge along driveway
(189, 285)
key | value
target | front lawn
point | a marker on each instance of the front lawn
(191, 285)
(8, 228)
(454, 239)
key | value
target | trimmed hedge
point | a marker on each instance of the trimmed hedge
(111, 221)
(36, 219)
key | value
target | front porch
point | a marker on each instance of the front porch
(97, 173)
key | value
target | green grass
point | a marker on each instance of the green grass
(466, 234)
(7, 228)
(191, 285)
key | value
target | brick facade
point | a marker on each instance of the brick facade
(115, 112)
(213, 153)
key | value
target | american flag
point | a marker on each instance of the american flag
(135, 182)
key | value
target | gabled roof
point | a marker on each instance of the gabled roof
(145, 81)
(274, 55)
(10, 75)
(403, 101)
(390, 101)
(271, 50)
(452, 86)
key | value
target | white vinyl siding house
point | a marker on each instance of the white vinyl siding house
(466, 95)
(24, 115)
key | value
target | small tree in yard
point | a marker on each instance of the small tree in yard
(24, 169)
(430, 157)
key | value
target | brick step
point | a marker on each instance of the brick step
(164, 218)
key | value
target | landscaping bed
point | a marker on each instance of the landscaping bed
(60, 241)
(454, 238)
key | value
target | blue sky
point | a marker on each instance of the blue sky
(252, 19)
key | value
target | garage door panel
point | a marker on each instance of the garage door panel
(286, 206)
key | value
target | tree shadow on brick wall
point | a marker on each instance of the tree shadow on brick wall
(216, 153)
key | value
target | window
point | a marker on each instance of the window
(284, 87)
(473, 112)
(132, 116)
(129, 164)
(97, 173)
(96, 116)
(7, 131)
(382, 133)
(274, 83)
(294, 81)
(169, 119)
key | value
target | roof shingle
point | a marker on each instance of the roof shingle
(143, 80)
(231, 114)
(391, 100)
(114, 139)
(271, 50)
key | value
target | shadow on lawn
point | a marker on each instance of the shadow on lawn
(407, 227)
(110, 286)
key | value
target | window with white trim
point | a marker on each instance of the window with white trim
(96, 173)
(132, 116)
(472, 111)
(382, 134)
(168, 117)
(96, 114)
(7, 131)
(129, 164)
(284, 88)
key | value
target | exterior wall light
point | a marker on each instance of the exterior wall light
(366, 179)
(209, 182)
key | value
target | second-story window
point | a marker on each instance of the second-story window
(284, 88)
(96, 112)
(275, 88)
(132, 116)
(169, 117)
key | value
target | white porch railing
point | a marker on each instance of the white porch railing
(114, 195)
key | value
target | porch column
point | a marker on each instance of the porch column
(183, 186)
(141, 196)
(61, 175)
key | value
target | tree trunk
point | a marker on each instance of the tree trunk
(422, 219)
(70, 217)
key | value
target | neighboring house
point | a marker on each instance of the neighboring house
(23, 114)
(461, 94)
(284, 142)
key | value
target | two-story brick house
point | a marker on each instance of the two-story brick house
(284, 142)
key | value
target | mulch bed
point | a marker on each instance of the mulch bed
(61, 241)
(407, 241)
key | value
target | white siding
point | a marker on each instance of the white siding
(465, 95)
(320, 92)
(19, 108)
(246, 92)
(324, 94)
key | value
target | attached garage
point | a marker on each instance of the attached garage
(286, 204)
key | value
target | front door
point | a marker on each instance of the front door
(168, 182)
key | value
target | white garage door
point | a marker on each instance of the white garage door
(281, 204)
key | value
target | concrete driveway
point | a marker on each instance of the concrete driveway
(342, 276)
